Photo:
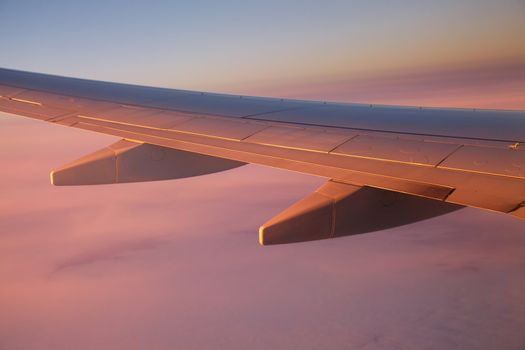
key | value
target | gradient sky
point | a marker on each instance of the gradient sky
(176, 264)
(409, 51)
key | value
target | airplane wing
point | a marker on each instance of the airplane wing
(385, 165)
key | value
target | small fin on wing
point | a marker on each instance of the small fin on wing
(311, 218)
(129, 161)
(338, 209)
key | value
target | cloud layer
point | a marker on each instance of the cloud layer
(176, 264)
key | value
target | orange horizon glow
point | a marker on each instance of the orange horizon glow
(484, 85)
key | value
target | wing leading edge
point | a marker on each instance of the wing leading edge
(454, 156)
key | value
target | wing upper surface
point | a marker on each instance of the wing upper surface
(456, 155)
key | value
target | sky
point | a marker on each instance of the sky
(176, 264)
(401, 52)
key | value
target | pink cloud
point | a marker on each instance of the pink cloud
(499, 84)
(176, 264)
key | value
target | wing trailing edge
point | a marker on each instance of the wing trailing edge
(130, 161)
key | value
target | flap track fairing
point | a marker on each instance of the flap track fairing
(129, 161)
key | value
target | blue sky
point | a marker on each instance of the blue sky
(232, 45)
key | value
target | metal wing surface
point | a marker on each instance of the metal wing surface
(464, 157)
